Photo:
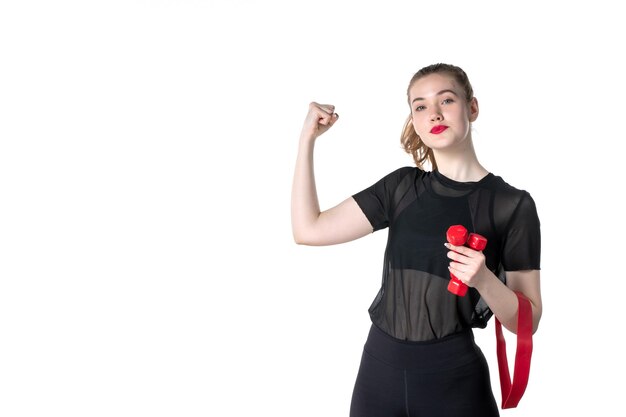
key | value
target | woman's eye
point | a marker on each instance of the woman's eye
(448, 100)
(419, 108)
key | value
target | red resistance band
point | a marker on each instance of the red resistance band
(512, 393)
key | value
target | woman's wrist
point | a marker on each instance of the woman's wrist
(307, 138)
(486, 282)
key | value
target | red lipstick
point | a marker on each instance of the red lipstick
(438, 129)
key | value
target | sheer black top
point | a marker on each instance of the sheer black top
(418, 207)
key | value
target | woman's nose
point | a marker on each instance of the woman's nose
(436, 116)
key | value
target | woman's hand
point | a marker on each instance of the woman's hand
(318, 120)
(467, 264)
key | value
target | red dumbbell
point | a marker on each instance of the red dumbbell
(458, 236)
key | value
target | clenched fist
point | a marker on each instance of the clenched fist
(319, 119)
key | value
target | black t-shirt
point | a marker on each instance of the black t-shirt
(418, 207)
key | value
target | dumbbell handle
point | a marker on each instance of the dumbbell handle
(457, 235)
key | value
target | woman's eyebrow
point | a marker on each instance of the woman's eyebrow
(439, 93)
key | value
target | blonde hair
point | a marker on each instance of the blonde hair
(410, 140)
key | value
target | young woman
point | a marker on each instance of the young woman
(420, 358)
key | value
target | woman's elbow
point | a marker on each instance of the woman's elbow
(300, 241)
(535, 328)
(303, 238)
(299, 233)
(298, 238)
(536, 321)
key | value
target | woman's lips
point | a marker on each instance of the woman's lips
(438, 129)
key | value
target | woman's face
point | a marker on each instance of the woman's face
(437, 101)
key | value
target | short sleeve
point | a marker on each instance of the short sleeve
(522, 241)
(376, 200)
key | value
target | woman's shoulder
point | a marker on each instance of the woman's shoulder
(510, 199)
(401, 173)
(498, 184)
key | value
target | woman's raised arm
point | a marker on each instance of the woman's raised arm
(342, 223)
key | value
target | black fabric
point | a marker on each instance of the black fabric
(418, 207)
(447, 377)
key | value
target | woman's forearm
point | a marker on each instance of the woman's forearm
(305, 208)
(503, 302)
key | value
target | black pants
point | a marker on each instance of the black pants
(447, 377)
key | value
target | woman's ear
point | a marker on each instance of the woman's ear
(473, 105)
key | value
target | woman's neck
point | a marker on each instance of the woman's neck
(462, 166)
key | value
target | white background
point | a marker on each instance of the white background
(147, 266)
